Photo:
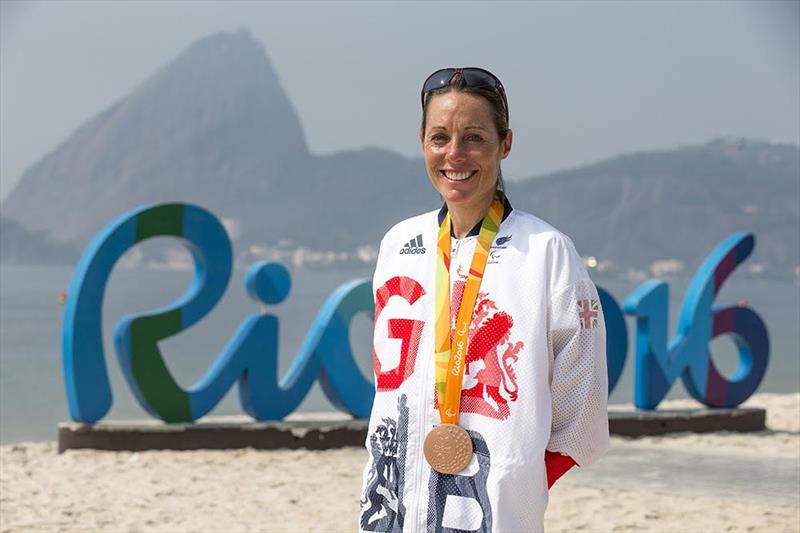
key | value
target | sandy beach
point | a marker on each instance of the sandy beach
(681, 482)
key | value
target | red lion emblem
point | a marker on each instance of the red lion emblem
(490, 382)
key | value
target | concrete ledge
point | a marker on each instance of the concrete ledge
(320, 431)
(212, 435)
(644, 423)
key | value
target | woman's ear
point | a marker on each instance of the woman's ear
(507, 144)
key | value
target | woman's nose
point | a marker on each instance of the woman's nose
(455, 150)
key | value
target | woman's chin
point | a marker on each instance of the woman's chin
(457, 196)
(464, 196)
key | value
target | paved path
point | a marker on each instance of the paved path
(738, 477)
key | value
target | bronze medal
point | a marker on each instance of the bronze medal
(448, 448)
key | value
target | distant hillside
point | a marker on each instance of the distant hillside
(215, 127)
(20, 246)
(680, 203)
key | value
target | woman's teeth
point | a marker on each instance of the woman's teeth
(456, 176)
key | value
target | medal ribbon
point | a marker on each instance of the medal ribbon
(450, 363)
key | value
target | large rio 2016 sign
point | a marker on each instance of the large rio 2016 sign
(251, 357)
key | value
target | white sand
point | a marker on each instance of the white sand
(248, 490)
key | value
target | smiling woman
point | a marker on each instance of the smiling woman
(518, 391)
(463, 150)
(481, 134)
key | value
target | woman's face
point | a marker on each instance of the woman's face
(462, 148)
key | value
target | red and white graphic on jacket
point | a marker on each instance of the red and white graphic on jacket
(407, 330)
(490, 382)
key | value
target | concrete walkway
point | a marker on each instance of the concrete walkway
(735, 476)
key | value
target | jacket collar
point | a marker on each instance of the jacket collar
(477, 229)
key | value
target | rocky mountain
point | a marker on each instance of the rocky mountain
(215, 127)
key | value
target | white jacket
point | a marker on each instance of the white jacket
(535, 378)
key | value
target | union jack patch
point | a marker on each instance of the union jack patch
(588, 311)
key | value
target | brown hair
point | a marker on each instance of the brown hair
(457, 83)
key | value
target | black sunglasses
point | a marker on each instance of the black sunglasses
(473, 77)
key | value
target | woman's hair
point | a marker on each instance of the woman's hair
(457, 83)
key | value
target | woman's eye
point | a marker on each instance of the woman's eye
(473, 137)
(439, 138)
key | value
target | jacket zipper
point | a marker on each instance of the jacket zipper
(423, 412)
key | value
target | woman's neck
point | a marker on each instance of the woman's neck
(465, 217)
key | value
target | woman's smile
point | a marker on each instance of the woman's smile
(456, 176)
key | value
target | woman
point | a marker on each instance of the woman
(489, 347)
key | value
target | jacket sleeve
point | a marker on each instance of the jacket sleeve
(578, 380)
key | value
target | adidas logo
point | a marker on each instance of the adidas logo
(414, 246)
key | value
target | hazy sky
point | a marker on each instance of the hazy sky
(585, 80)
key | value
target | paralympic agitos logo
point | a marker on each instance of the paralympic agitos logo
(250, 358)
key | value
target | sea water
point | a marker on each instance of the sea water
(32, 396)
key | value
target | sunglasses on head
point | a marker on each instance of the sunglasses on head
(473, 77)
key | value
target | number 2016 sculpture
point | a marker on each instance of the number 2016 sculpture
(251, 356)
